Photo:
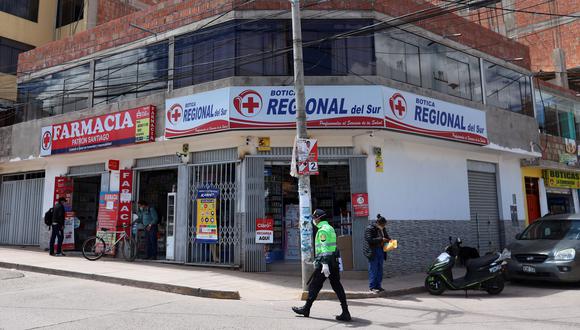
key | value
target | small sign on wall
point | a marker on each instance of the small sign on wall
(360, 204)
(264, 230)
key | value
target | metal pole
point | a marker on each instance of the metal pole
(303, 180)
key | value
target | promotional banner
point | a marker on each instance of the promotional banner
(411, 113)
(264, 230)
(107, 217)
(360, 204)
(124, 127)
(561, 179)
(125, 199)
(207, 228)
(326, 107)
(196, 114)
(63, 187)
(307, 152)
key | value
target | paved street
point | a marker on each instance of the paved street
(30, 300)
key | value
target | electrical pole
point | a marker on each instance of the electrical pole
(303, 180)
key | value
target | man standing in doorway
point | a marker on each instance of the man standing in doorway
(375, 238)
(148, 217)
(57, 227)
(325, 266)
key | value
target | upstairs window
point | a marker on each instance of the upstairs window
(27, 9)
(508, 89)
(69, 11)
(9, 51)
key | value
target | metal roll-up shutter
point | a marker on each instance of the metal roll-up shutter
(21, 209)
(484, 209)
(358, 184)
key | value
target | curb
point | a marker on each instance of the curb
(330, 295)
(178, 289)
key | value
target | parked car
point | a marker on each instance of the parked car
(548, 249)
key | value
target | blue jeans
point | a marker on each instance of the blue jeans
(57, 234)
(376, 269)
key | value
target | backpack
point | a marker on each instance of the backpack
(48, 217)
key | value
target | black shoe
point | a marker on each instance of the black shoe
(381, 290)
(345, 316)
(302, 310)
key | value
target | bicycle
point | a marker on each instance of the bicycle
(95, 247)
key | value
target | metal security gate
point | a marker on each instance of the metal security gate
(221, 176)
(21, 208)
(253, 254)
(483, 204)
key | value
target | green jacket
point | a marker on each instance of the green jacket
(148, 216)
(325, 243)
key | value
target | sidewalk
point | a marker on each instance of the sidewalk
(195, 281)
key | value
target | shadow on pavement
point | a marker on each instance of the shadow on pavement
(356, 322)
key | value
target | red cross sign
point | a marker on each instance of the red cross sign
(398, 105)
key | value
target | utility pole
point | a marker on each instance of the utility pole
(303, 180)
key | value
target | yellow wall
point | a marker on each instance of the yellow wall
(7, 87)
(530, 172)
(28, 32)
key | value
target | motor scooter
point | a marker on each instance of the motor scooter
(483, 273)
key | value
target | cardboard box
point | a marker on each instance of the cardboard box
(344, 244)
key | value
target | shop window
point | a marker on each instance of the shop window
(258, 46)
(27, 9)
(58, 93)
(204, 56)
(354, 55)
(398, 60)
(9, 51)
(69, 11)
(133, 74)
(508, 89)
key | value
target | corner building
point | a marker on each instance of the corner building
(428, 129)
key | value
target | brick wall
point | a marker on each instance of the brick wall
(173, 14)
(109, 10)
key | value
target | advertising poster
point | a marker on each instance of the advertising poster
(292, 250)
(63, 187)
(107, 217)
(207, 227)
(264, 230)
(115, 129)
(360, 204)
(411, 113)
(307, 151)
(125, 199)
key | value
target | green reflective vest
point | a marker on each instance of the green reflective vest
(325, 243)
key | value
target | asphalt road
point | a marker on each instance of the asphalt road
(30, 301)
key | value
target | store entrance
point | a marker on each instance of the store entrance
(85, 204)
(330, 192)
(154, 186)
(560, 202)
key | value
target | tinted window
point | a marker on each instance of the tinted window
(27, 9)
(131, 74)
(259, 46)
(9, 51)
(553, 230)
(69, 11)
(508, 89)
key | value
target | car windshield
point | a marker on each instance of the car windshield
(553, 230)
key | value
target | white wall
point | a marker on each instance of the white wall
(427, 179)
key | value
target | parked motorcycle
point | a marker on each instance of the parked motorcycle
(484, 273)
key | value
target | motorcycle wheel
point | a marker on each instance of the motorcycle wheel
(495, 286)
(435, 285)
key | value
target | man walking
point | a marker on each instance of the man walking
(375, 238)
(57, 227)
(325, 266)
(148, 217)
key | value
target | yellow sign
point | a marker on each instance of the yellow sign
(379, 164)
(264, 144)
(561, 179)
(207, 218)
(143, 129)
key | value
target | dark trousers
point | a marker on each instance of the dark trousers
(152, 242)
(376, 269)
(57, 233)
(317, 282)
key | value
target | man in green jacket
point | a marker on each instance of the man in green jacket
(325, 266)
(148, 217)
